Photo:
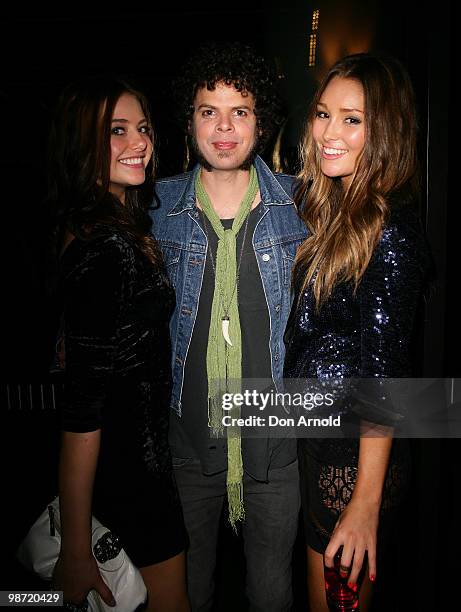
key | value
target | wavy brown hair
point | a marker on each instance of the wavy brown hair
(346, 223)
(79, 168)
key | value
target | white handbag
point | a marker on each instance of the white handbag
(39, 551)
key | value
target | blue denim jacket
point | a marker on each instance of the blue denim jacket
(276, 237)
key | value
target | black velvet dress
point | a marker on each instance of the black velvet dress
(364, 335)
(117, 307)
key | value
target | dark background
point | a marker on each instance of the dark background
(42, 50)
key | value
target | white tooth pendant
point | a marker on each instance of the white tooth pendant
(225, 330)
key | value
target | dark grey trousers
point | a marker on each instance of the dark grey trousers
(269, 532)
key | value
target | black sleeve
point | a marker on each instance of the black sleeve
(97, 288)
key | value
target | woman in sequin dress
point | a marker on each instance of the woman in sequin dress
(358, 279)
(116, 302)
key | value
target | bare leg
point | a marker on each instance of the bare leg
(166, 585)
(316, 584)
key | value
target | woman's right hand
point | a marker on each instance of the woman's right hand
(77, 577)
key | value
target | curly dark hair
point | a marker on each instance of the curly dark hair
(231, 63)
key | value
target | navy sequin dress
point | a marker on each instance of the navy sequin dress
(363, 335)
(117, 308)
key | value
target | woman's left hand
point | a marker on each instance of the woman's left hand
(356, 531)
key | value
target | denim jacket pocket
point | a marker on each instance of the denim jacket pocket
(288, 257)
(171, 256)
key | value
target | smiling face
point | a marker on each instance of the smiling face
(224, 128)
(130, 145)
(339, 128)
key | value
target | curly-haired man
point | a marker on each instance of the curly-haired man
(229, 233)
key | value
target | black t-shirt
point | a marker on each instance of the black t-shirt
(190, 434)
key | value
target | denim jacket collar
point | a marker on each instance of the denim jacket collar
(272, 193)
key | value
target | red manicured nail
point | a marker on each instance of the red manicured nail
(372, 578)
(352, 586)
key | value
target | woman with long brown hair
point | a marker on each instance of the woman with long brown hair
(116, 302)
(358, 279)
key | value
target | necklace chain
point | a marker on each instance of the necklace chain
(213, 265)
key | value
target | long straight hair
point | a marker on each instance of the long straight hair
(79, 167)
(346, 223)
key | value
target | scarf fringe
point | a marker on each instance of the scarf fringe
(235, 501)
(215, 416)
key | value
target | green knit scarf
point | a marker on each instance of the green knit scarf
(224, 362)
